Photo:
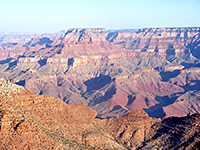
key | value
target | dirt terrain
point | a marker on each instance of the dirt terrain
(31, 121)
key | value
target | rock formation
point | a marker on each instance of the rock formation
(31, 121)
(156, 69)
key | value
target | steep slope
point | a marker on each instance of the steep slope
(175, 133)
(30, 121)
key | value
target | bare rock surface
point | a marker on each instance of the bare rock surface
(31, 121)
(6, 88)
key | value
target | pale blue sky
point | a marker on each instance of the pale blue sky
(55, 15)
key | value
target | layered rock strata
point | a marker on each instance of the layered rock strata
(156, 69)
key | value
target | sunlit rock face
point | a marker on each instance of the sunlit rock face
(31, 121)
(115, 72)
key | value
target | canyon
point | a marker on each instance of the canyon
(32, 121)
(113, 72)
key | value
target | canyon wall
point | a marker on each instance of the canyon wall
(156, 69)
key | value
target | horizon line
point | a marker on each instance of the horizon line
(107, 29)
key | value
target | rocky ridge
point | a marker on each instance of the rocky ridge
(30, 121)
(6, 88)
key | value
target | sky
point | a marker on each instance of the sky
(42, 16)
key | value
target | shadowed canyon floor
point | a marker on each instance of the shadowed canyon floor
(115, 72)
(31, 121)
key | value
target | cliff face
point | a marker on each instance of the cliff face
(30, 121)
(156, 69)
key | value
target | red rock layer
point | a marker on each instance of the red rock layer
(30, 121)
(155, 69)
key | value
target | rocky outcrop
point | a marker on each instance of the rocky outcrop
(30, 121)
(85, 36)
(175, 133)
(7, 88)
